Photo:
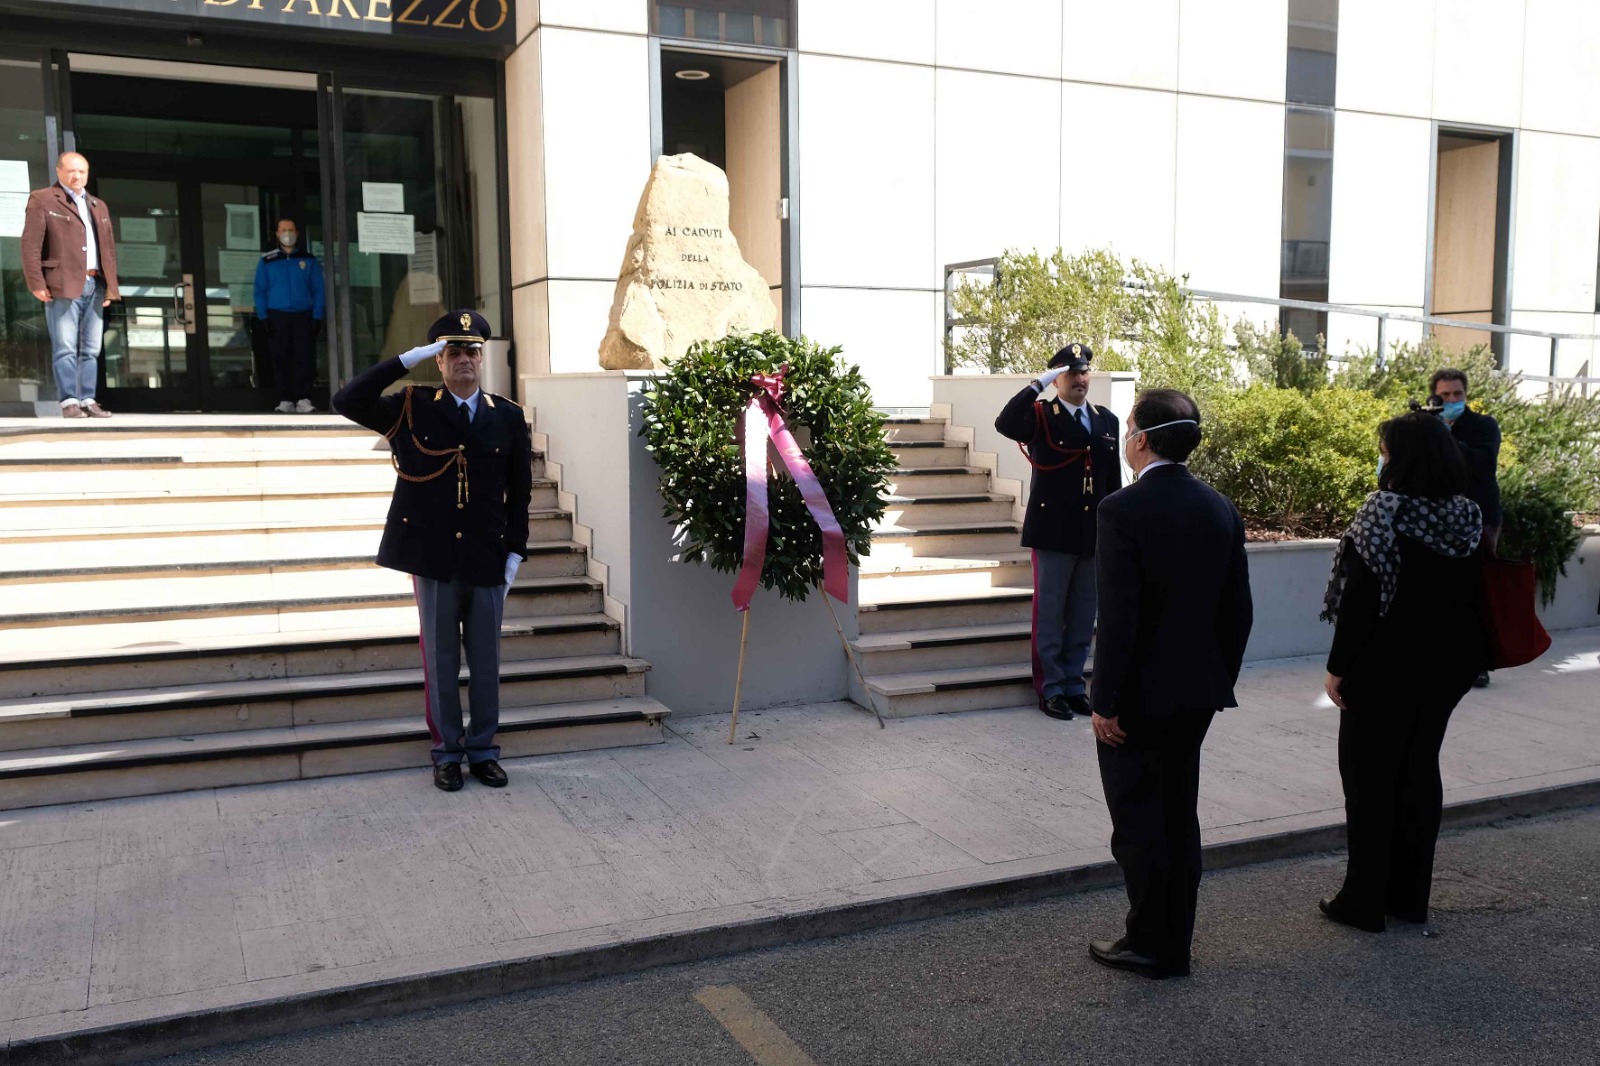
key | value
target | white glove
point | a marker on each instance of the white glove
(1044, 379)
(417, 355)
(513, 560)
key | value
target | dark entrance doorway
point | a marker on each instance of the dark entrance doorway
(197, 176)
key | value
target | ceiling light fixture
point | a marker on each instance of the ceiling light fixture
(692, 75)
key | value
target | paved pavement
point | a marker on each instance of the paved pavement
(1509, 974)
(117, 913)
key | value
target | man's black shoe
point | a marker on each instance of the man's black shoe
(1481, 681)
(1058, 707)
(1117, 955)
(1080, 705)
(488, 771)
(447, 776)
(1332, 911)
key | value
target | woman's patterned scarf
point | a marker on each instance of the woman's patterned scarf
(1450, 527)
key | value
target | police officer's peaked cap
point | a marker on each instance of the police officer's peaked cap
(464, 327)
(1073, 357)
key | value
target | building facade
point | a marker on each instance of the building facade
(1408, 155)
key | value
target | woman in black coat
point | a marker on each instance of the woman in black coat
(1406, 600)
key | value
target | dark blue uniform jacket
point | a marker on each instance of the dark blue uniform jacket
(289, 282)
(1061, 508)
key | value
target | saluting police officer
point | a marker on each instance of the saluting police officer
(458, 524)
(1072, 446)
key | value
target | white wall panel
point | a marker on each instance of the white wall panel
(1229, 194)
(867, 173)
(1561, 67)
(530, 313)
(1118, 170)
(1531, 355)
(1557, 223)
(579, 311)
(1379, 242)
(1121, 44)
(1352, 334)
(1010, 36)
(621, 16)
(525, 162)
(1386, 56)
(998, 177)
(882, 29)
(893, 336)
(597, 147)
(1233, 47)
(1477, 63)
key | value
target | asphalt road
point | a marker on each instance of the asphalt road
(1509, 972)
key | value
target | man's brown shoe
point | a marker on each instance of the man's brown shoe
(72, 410)
(96, 411)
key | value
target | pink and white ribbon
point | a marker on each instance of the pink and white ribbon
(761, 418)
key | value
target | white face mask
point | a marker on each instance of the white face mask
(288, 239)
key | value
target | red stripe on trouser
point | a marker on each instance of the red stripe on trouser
(1033, 642)
(427, 683)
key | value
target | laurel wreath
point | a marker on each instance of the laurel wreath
(692, 417)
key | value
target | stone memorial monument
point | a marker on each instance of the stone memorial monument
(682, 279)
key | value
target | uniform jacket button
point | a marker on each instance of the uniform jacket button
(458, 536)
(405, 519)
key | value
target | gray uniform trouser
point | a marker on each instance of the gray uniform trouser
(1063, 619)
(454, 614)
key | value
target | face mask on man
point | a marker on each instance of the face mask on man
(288, 237)
(1453, 409)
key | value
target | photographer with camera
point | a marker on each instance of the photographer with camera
(1478, 437)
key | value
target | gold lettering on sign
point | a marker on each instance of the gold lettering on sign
(405, 16)
(372, 11)
(472, 15)
(220, 3)
(456, 25)
(333, 8)
(288, 7)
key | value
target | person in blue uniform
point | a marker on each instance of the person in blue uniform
(289, 301)
(1072, 446)
(458, 524)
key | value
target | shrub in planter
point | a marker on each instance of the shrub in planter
(1536, 527)
(1289, 460)
(692, 418)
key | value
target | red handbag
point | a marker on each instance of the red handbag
(1515, 632)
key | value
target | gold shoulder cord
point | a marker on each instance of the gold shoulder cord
(457, 455)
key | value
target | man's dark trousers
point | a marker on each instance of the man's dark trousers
(453, 614)
(292, 338)
(1152, 786)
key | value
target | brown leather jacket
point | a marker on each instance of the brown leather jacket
(54, 255)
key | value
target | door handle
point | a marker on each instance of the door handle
(186, 294)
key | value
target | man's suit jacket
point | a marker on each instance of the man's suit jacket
(435, 529)
(54, 252)
(1174, 590)
(1478, 437)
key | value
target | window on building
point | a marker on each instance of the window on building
(1313, 51)
(1308, 165)
(768, 23)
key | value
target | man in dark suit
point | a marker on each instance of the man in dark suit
(69, 259)
(458, 524)
(1072, 446)
(1175, 614)
(1478, 437)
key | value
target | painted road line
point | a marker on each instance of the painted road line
(748, 1024)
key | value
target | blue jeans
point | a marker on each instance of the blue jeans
(75, 330)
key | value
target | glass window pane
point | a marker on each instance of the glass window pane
(754, 22)
(1313, 51)
(24, 339)
(1307, 215)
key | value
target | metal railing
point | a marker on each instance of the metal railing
(991, 265)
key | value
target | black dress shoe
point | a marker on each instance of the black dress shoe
(1331, 910)
(489, 772)
(1117, 955)
(1482, 680)
(1058, 707)
(447, 776)
(1080, 705)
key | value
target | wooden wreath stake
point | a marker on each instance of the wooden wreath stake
(738, 681)
(872, 704)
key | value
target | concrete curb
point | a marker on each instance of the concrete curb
(150, 1038)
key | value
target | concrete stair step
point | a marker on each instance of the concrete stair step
(898, 431)
(910, 481)
(924, 453)
(217, 658)
(68, 479)
(81, 773)
(232, 706)
(907, 651)
(945, 538)
(84, 625)
(941, 577)
(911, 512)
(943, 691)
(195, 432)
(976, 607)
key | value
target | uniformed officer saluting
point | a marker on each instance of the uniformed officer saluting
(1072, 447)
(458, 524)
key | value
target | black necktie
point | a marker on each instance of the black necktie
(1082, 420)
(464, 416)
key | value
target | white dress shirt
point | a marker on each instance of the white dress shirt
(91, 248)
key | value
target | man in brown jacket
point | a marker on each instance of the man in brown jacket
(69, 259)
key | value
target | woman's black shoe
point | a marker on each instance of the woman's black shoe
(1333, 913)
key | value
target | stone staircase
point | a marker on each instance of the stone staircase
(946, 596)
(189, 604)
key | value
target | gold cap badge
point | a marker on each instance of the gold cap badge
(466, 320)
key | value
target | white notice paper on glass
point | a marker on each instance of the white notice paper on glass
(138, 229)
(422, 283)
(244, 226)
(383, 196)
(13, 196)
(380, 234)
(235, 267)
(141, 260)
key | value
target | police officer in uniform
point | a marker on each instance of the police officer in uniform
(1072, 446)
(290, 301)
(458, 524)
